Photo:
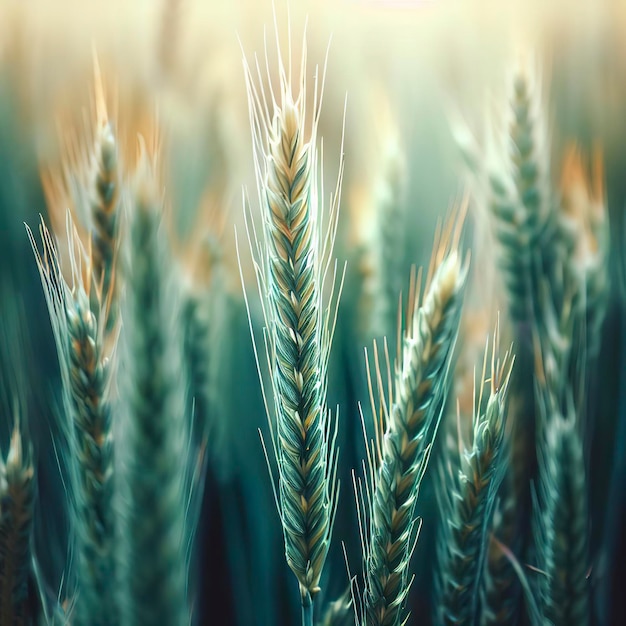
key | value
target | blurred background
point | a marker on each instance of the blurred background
(406, 71)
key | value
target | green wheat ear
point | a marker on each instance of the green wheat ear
(292, 259)
(152, 458)
(17, 493)
(467, 493)
(561, 522)
(79, 319)
(106, 206)
(398, 457)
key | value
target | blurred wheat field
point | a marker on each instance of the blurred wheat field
(476, 403)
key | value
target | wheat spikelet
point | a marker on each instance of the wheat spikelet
(339, 612)
(53, 611)
(420, 389)
(152, 511)
(292, 262)
(17, 492)
(467, 494)
(500, 593)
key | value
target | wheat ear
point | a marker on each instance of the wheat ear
(105, 208)
(467, 495)
(584, 215)
(85, 371)
(420, 389)
(203, 313)
(388, 246)
(518, 193)
(152, 511)
(96, 532)
(292, 262)
(17, 491)
(562, 525)
(339, 612)
(560, 521)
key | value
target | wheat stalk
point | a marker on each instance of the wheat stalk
(467, 495)
(152, 550)
(420, 389)
(292, 262)
(17, 492)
